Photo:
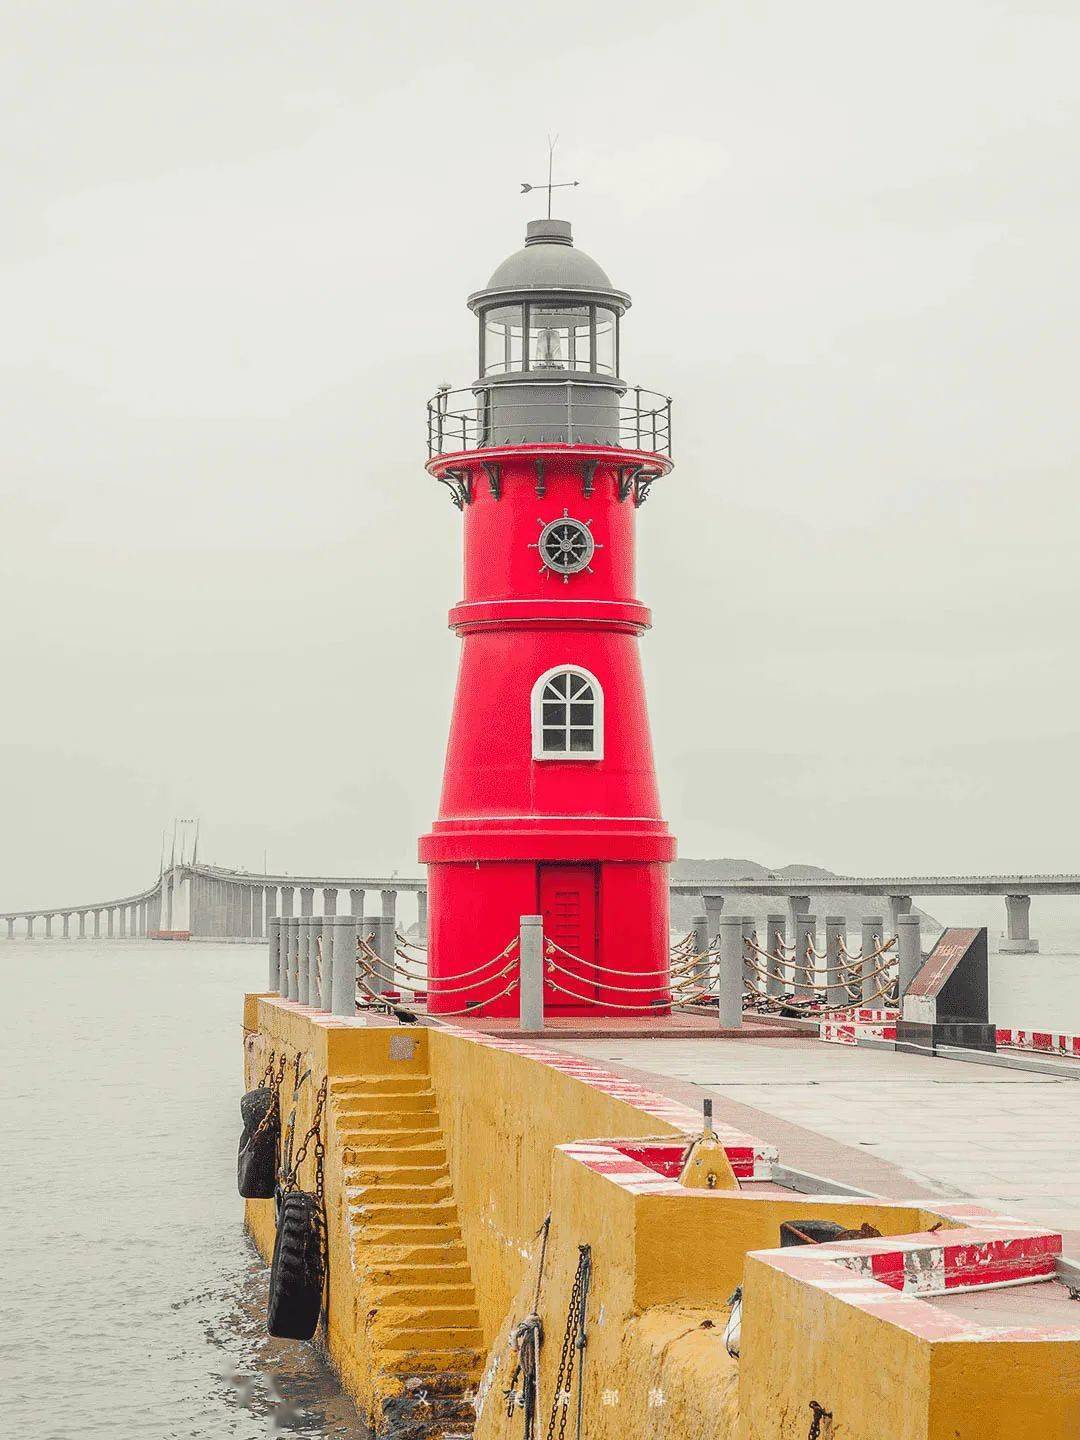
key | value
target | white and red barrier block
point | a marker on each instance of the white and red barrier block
(1042, 1042)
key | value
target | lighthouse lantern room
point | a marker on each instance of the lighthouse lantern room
(549, 800)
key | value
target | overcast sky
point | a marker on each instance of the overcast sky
(237, 242)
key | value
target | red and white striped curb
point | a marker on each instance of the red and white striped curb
(848, 1027)
(1044, 1042)
(892, 1277)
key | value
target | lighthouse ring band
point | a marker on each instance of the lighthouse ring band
(566, 546)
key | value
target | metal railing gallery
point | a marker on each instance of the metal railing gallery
(639, 420)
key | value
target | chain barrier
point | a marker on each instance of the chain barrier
(290, 1178)
(443, 988)
(412, 944)
(573, 1349)
(553, 945)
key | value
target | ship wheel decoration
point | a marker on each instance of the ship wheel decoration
(566, 546)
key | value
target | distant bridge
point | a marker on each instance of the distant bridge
(213, 902)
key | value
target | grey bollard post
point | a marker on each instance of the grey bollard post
(315, 927)
(776, 933)
(750, 958)
(729, 1011)
(835, 928)
(274, 948)
(294, 958)
(421, 915)
(303, 952)
(342, 957)
(909, 944)
(326, 968)
(873, 934)
(702, 972)
(804, 974)
(531, 972)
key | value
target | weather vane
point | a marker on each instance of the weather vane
(551, 185)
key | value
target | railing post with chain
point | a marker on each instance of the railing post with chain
(531, 970)
(775, 934)
(873, 932)
(326, 967)
(731, 972)
(701, 948)
(909, 946)
(835, 927)
(804, 969)
(342, 962)
(274, 947)
(289, 945)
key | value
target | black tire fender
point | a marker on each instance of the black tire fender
(297, 1270)
(257, 1157)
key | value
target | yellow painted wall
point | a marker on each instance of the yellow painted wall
(663, 1267)
(1004, 1390)
(503, 1115)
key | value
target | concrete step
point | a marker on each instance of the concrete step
(399, 1175)
(426, 1317)
(407, 1235)
(417, 1274)
(365, 1123)
(384, 1100)
(427, 1342)
(384, 1193)
(446, 1367)
(417, 1211)
(458, 1294)
(358, 1156)
(378, 1084)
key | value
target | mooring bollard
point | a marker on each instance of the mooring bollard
(326, 968)
(274, 948)
(729, 1010)
(909, 944)
(340, 961)
(531, 972)
(873, 934)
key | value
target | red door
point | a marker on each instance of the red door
(568, 905)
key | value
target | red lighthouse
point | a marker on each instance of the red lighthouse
(549, 800)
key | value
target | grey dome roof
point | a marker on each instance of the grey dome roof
(549, 259)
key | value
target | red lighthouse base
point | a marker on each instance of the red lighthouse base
(476, 909)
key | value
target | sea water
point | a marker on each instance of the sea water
(132, 1305)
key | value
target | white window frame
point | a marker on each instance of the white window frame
(537, 706)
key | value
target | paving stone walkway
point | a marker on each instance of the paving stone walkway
(899, 1124)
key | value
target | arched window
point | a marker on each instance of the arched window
(567, 715)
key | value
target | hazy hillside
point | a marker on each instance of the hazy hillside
(853, 907)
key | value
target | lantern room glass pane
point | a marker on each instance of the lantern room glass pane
(559, 337)
(503, 335)
(606, 321)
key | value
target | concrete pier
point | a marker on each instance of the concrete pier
(1017, 939)
(898, 905)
